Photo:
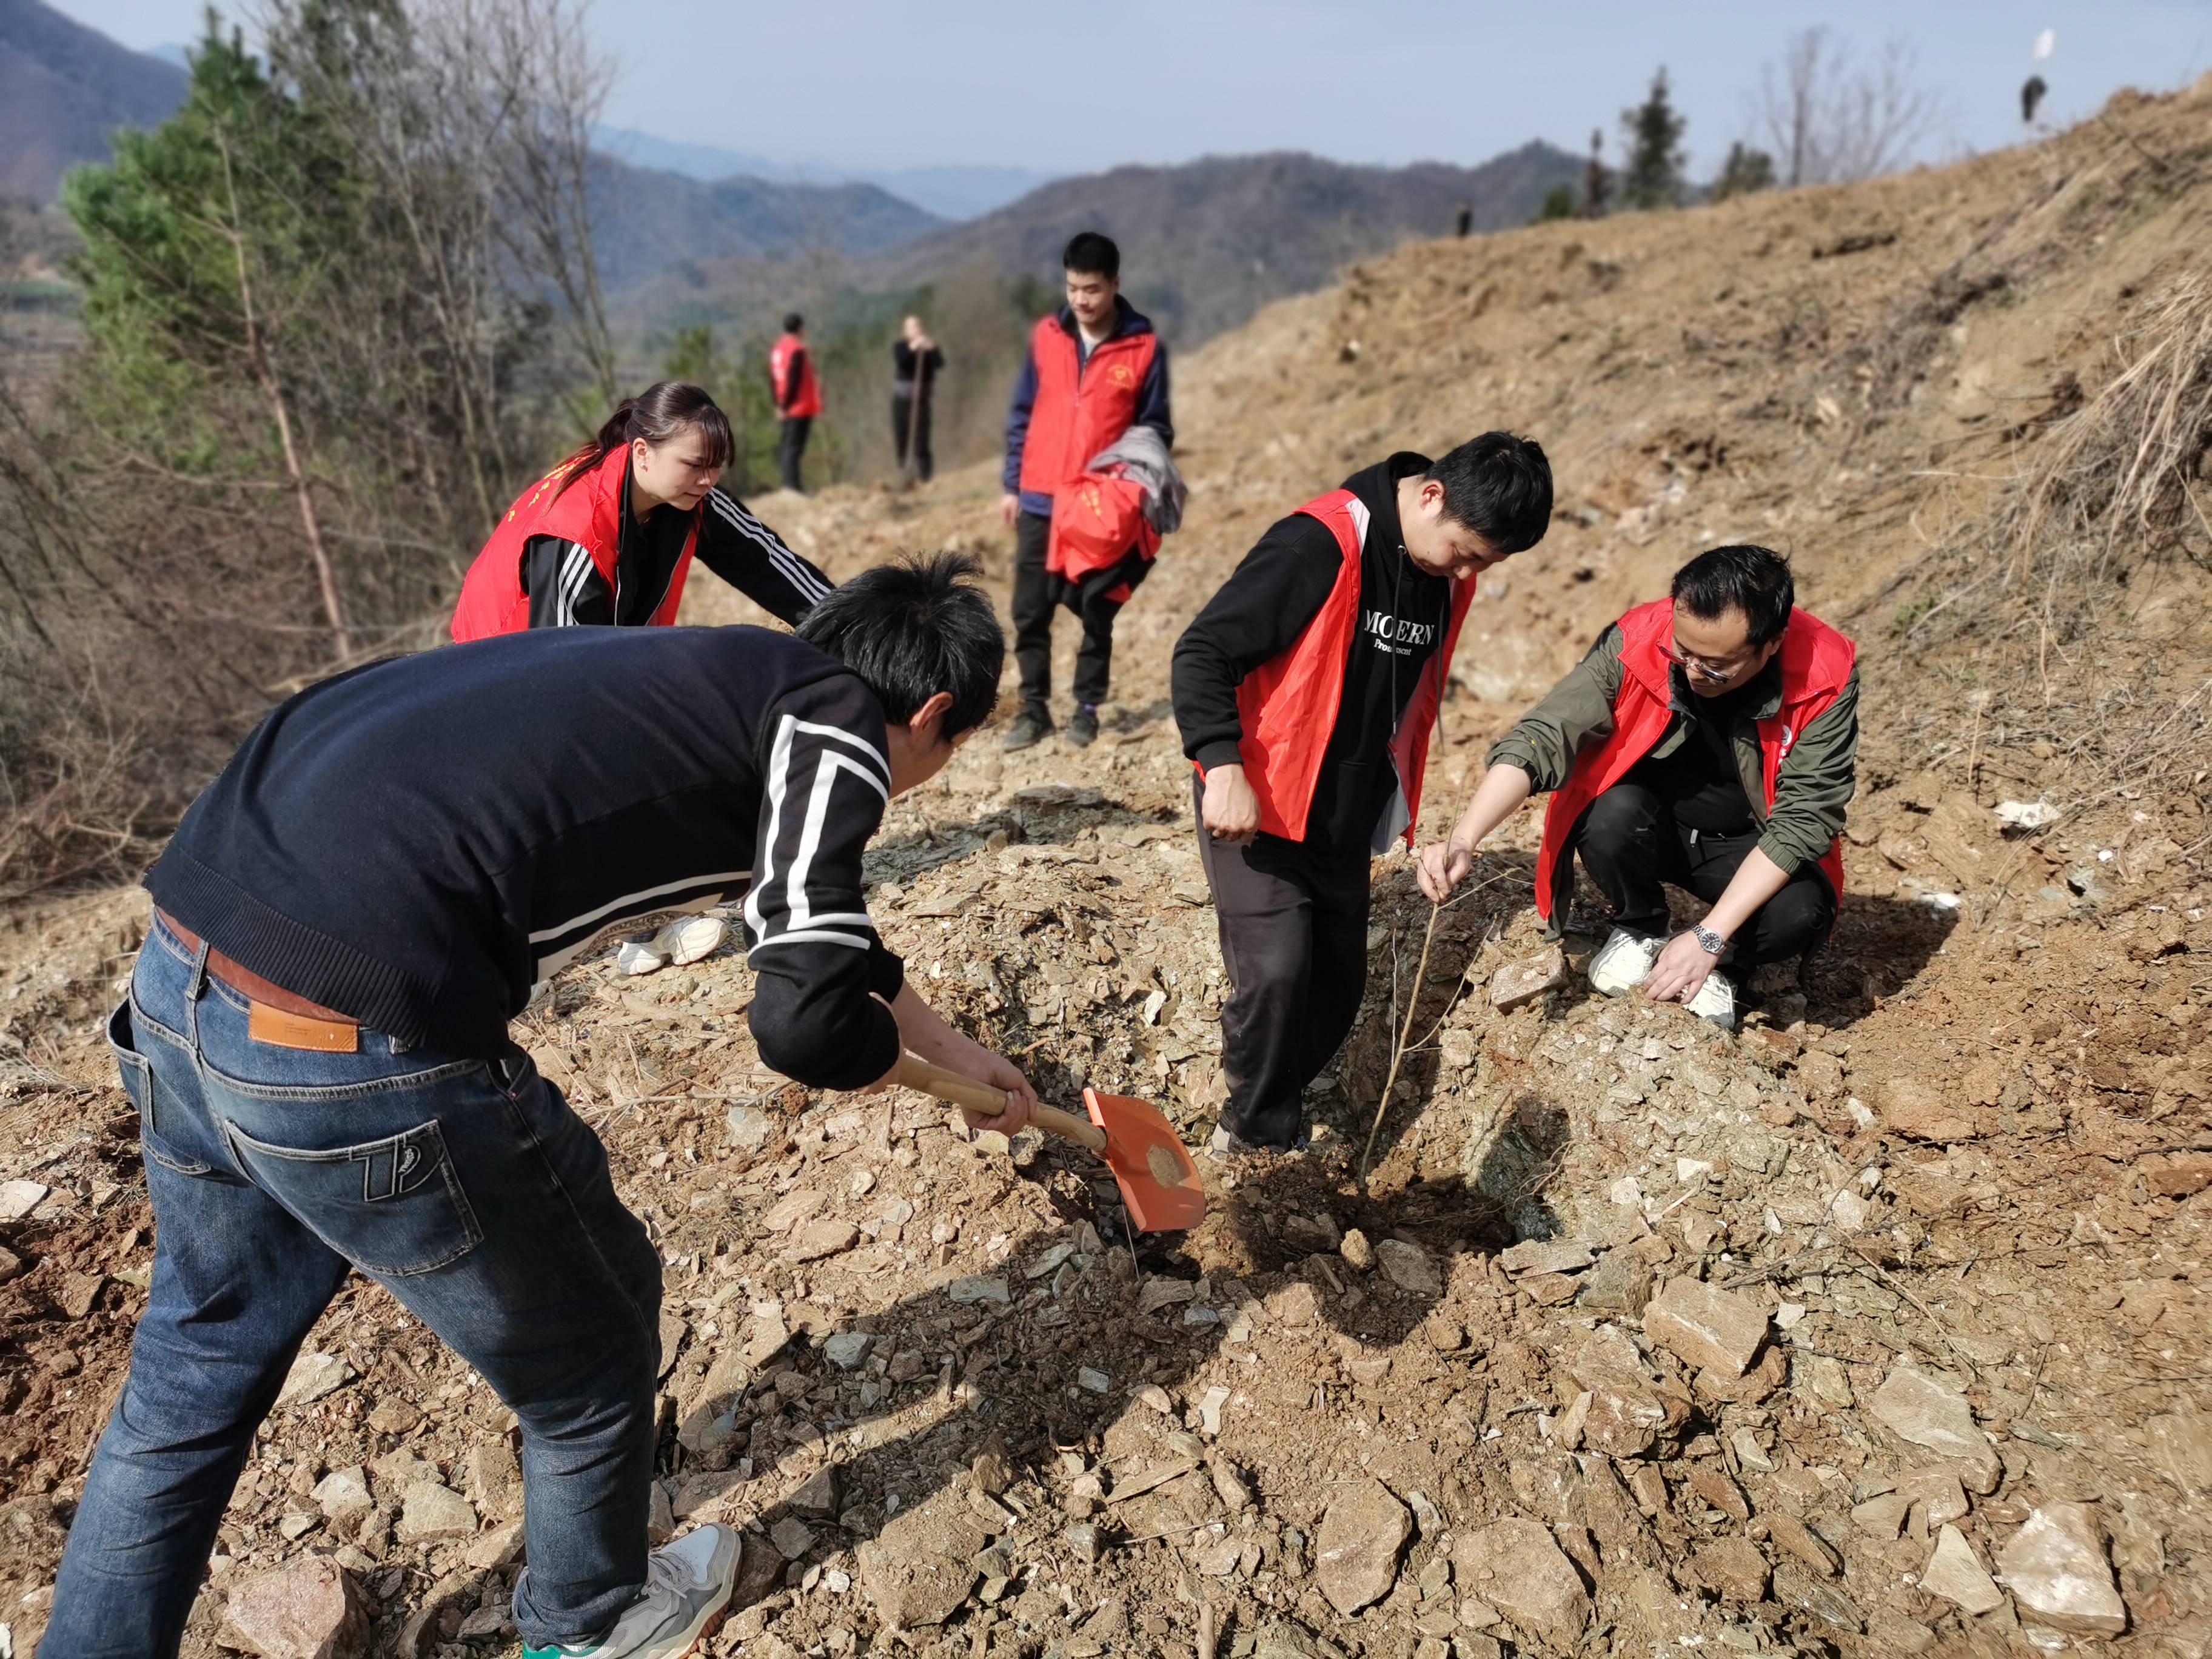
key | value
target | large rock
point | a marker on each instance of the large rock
(1705, 1328)
(916, 1569)
(308, 1610)
(1917, 1408)
(432, 1513)
(1524, 982)
(1356, 1552)
(1515, 1566)
(2056, 1568)
(1955, 1573)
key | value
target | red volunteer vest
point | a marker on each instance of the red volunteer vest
(1080, 407)
(809, 400)
(588, 512)
(1816, 664)
(1288, 705)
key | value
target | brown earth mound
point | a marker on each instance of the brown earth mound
(1874, 1328)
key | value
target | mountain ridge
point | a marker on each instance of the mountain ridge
(63, 87)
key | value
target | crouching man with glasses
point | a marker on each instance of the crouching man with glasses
(1709, 740)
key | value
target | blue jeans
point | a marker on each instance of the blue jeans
(467, 1188)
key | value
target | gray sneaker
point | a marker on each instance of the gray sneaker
(688, 1588)
(1032, 726)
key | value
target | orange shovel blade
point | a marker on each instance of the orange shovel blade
(1158, 1181)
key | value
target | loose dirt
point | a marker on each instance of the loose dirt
(1640, 1337)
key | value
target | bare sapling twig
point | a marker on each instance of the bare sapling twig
(1398, 1056)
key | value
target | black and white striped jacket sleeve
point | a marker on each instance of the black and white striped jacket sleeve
(813, 949)
(565, 587)
(753, 559)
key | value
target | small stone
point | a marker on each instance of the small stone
(431, 1513)
(1296, 1303)
(992, 1471)
(1706, 1326)
(822, 1239)
(1627, 1192)
(847, 1350)
(978, 1287)
(1229, 1485)
(1939, 1491)
(1157, 1397)
(1802, 1542)
(1209, 1409)
(1409, 1267)
(342, 1495)
(1749, 1453)
(791, 1537)
(905, 1367)
(1356, 1550)
(1830, 1383)
(1713, 1485)
(495, 1481)
(767, 1335)
(309, 1609)
(2056, 1568)
(1921, 1111)
(483, 1623)
(1518, 983)
(1952, 1573)
(1795, 1588)
(750, 1128)
(1619, 1284)
(1445, 1334)
(1882, 1517)
(2181, 1445)
(77, 1293)
(11, 1266)
(1370, 1370)
(1734, 1568)
(1094, 1379)
(399, 1469)
(1161, 1292)
(1084, 1540)
(817, 1500)
(1545, 1256)
(1914, 1408)
(500, 1547)
(1516, 1566)
(1356, 1251)
(295, 1525)
(393, 1416)
(313, 1376)
(19, 1197)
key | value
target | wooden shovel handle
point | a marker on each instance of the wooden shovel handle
(916, 1072)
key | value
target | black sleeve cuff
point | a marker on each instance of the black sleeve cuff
(1224, 752)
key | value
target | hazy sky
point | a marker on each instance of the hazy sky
(872, 83)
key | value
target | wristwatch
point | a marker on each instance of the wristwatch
(1710, 942)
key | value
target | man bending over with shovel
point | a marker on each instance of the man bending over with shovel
(1306, 691)
(316, 1040)
(1709, 739)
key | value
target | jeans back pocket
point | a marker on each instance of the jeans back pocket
(393, 1206)
(162, 1133)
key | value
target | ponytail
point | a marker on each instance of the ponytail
(657, 414)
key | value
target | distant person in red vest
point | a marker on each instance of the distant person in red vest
(1306, 690)
(1709, 741)
(798, 397)
(607, 536)
(1095, 368)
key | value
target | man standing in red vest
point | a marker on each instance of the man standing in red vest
(798, 397)
(1708, 740)
(1095, 368)
(1306, 691)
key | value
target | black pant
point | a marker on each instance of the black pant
(1293, 924)
(906, 423)
(791, 447)
(1038, 595)
(1630, 843)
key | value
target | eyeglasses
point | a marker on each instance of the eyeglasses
(1718, 676)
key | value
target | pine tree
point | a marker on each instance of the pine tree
(1653, 176)
(1745, 170)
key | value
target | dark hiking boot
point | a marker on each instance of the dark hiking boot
(1083, 730)
(1031, 727)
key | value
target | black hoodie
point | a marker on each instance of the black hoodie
(1263, 607)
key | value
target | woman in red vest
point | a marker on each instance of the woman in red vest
(1306, 691)
(1709, 741)
(798, 397)
(608, 536)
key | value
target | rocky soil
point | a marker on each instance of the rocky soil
(1875, 1327)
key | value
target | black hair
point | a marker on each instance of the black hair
(1755, 580)
(913, 628)
(1499, 487)
(1088, 253)
(793, 322)
(657, 414)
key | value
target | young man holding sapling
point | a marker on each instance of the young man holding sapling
(1095, 368)
(1708, 740)
(316, 1040)
(1306, 691)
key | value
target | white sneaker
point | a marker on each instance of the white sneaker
(1716, 1001)
(690, 938)
(688, 1588)
(639, 957)
(1623, 961)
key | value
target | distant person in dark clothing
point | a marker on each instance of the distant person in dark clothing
(798, 397)
(1095, 368)
(1465, 217)
(916, 361)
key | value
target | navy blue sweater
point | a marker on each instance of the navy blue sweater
(417, 841)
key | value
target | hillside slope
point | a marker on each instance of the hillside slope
(1639, 1338)
(63, 87)
(1206, 244)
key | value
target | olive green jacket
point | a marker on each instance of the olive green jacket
(1811, 791)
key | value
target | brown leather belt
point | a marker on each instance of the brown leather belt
(273, 1014)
